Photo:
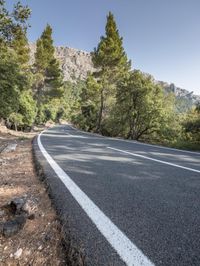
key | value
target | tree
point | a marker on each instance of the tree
(16, 119)
(14, 69)
(191, 124)
(44, 50)
(21, 47)
(139, 105)
(10, 22)
(111, 61)
(27, 108)
(49, 78)
(12, 83)
(89, 104)
(47, 73)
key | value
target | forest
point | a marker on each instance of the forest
(116, 100)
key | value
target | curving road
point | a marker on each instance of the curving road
(124, 202)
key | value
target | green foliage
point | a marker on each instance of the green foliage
(109, 55)
(20, 46)
(16, 119)
(12, 83)
(191, 125)
(140, 102)
(44, 51)
(16, 103)
(48, 80)
(111, 61)
(27, 108)
(89, 104)
(10, 22)
(54, 76)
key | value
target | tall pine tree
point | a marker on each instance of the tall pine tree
(48, 75)
(44, 50)
(111, 61)
(21, 47)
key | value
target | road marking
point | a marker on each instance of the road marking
(136, 142)
(128, 252)
(161, 147)
(155, 160)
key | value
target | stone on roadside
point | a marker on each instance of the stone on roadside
(13, 226)
(18, 253)
(30, 207)
(10, 147)
(17, 204)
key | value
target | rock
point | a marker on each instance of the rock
(2, 213)
(10, 148)
(23, 205)
(12, 227)
(40, 247)
(18, 253)
(3, 129)
(17, 205)
(31, 207)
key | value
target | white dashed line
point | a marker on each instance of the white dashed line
(155, 160)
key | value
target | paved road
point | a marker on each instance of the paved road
(135, 204)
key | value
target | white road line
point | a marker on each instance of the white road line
(128, 252)
(136, 142)
(155, 160)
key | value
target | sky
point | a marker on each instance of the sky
(161, 37)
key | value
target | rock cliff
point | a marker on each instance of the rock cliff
(74, 63)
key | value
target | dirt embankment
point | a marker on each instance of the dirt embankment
(39, 242)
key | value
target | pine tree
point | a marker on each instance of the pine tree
(10, 22)
(21, 47)
(111, 61)
(44, 51)
(45, 61)
(48, 75)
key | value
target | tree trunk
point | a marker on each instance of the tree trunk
(100, 113)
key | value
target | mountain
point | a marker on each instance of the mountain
(179, 92)
(76, 64)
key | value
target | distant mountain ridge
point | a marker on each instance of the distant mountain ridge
(179, 92)
(76, 64)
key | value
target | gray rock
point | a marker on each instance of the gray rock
(17, 205)
(31, 207)
(10, 147)
(12, 227)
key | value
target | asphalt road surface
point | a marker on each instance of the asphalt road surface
(126, 203)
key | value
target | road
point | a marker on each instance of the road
(127, 203)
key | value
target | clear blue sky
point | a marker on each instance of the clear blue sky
(161, 37)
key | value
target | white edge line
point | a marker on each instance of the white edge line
(128, 252)
(135, 142)
(155, 160)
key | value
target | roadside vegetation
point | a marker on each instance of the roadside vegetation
(115, 100)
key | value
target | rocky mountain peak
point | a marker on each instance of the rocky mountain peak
(74, 63)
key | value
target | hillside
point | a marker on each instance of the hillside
(76, 64)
